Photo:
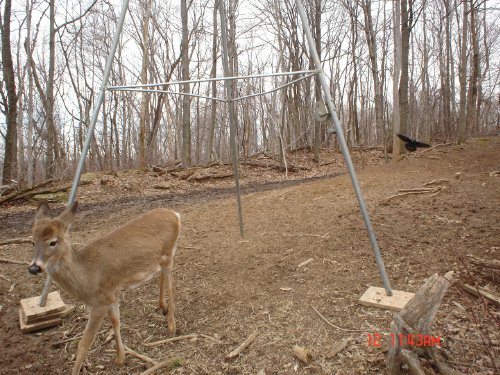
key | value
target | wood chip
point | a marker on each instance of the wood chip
(306, 262)
(302, 354)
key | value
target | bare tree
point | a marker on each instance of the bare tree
(186, 100)
(462, 73)
(9, 102)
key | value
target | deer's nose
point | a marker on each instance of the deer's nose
(34, 269)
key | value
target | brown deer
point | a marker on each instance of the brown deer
(96, 273)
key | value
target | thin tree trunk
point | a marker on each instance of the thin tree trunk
(186, 100)
(403, 82)
(143, 120)
(462, 71)
(396, 145)
(10, 156)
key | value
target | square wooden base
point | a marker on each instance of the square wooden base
(33, 317)
(377, 297)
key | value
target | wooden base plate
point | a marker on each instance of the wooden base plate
(33, 317)
(30, 327)
(377, 297)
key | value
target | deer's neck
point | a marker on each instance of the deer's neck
(68, 274)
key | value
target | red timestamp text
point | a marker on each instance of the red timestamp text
(375, 339)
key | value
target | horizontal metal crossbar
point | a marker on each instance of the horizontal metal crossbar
(143, 88)
(118, 88)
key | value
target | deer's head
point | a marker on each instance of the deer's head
(50, 235)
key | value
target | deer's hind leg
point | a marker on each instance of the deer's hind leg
(166, 282)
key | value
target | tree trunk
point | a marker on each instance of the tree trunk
(317, 85)
(403, 82)
(396, 145)
(186, 100)
(471, 111)
(377, 87)
(10, 156)
(144, 117)
(462, 74)
(213, 73)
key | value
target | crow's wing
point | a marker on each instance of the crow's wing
(404, 138)
(420, 144)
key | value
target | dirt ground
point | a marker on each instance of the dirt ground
(228, 287)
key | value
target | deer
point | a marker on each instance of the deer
(96, 273)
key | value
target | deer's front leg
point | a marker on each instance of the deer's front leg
(167, 283)
(96, 316)
(114, 316)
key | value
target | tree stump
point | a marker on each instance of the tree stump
(416, 319)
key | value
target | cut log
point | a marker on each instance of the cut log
(416, 318)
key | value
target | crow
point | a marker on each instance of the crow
(412, 144)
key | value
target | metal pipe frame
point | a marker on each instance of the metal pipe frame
(90, 130)
(153, 91)
(277, 74)
(343, 145)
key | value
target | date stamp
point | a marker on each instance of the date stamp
(375, 339)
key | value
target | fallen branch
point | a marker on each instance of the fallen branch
(494, 263)
(202, 177)
(29, 194)
(16, 241)
(405, 192)
(13, 196)
(5, 278)
(172, 339)
(481, 292)
(438, 181)
(435, 146)
(140, 356)
(236, 352)
(337, 327)
(165, 363)
(3, 260)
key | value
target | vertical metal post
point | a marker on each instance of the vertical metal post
(228, 83)
(343, 146)
(90, 130)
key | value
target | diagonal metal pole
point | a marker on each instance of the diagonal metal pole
(90, 130)
(228, 83)
(343, 146)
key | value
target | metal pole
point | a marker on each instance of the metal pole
(343, 146)
(90, 130)
(228, 83)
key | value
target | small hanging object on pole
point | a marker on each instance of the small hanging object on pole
(321, 111)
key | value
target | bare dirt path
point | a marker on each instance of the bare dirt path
(228, 287)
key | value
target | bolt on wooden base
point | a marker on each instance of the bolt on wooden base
(33, 317)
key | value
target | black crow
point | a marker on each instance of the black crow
(412, 144)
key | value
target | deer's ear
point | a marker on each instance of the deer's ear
(68, 215)
(43, 211)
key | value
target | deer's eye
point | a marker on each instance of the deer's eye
(52, 243)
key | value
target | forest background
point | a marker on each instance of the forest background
(429, 69)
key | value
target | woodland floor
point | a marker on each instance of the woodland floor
(228, 287)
